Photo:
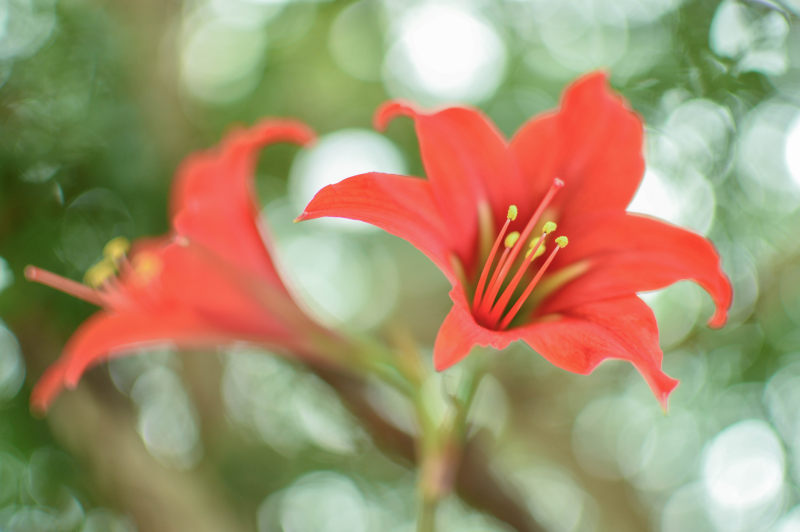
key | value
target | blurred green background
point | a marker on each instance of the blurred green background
(100, 100)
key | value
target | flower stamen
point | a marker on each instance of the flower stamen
(484, 302)
(500, 305)
(561, 242)
(510, 217)
(100, 277)
(100, 274)
(68, 286)
(548, 197)
(116, 249)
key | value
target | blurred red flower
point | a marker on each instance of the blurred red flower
(211, 281)
(576, 168)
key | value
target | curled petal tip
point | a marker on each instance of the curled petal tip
(723, 298)
(718, 319)
(663, 400)
(39, 406)
(47, 389)
(283, 130)
(389, 110)
(662, 389)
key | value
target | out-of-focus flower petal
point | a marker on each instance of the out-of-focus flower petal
(211, 282)
(213, 202)
(107, 334)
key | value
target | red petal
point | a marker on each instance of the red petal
(213, 201)
(468, 164)
(628, 253)
(459, 333)
(194, 279)
(106, 334)
(47, 387)
(581, 338)
(593, 143)
(403, 206)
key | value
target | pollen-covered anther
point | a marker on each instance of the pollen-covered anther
(511, 239)
(561, 242)
(146, 266)
(116, 249)
(485, 302)
(100, 273)
(512, 212)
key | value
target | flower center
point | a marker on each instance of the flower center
(490, 306)
(100, 281)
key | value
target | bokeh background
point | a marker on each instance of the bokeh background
(100, 100)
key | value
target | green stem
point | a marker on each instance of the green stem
(426, 513)
(440, 445)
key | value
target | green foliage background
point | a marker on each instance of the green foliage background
(95, 115)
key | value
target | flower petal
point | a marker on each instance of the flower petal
(628, 253)
(460, 332)
(189, 277)
(468, 164)
(593, 143)
(213, 201)
(401, 205)
(581, 338)
(106, 334)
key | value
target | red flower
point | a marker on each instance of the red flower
(578, 167)
(211, 281)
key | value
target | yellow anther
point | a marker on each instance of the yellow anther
(512, 212)
(146, 266)
(116, 248)
(562, 241)
(549, 227)
(100, 273)
(511, 239)
(539, 252)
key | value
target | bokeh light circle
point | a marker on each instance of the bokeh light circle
(743, 466)
(12, 367)
(220, 61)
(338, 505)
(444, 53)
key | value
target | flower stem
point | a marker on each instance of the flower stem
(426, 514)
(440, 444)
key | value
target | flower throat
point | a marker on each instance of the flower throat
(489, 303)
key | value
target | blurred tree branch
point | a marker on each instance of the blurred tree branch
(159, 499)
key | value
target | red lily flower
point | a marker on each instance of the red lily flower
(575, 168)
(210, 282)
